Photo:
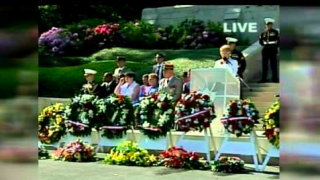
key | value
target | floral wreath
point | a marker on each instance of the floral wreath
(51, 125)
(240, 117)
(84, 113)
(194, 111)
(119, 116)
(272, 124)
(228, 165)
(155, 113)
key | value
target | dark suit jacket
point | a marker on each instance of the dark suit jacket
(107, 89)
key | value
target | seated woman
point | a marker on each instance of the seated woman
(154, 86)
(144, 88)
(128, 87)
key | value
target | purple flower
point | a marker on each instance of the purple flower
(55, 49)
(75, 35)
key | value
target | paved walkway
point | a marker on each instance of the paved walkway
(57, 170)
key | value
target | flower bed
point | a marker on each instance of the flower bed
(51, 125)
(228, 165)
(76, 151)
(272, 124)
(192, 34)
(240, 117)
(194, 111)
(155, 113)
(128, 153)
(179, 158)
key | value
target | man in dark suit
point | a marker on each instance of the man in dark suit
(108, 85)
(171, 83)
(158, 68)
(270, 40)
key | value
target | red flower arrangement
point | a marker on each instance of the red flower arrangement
(194, 111)
(176, 157)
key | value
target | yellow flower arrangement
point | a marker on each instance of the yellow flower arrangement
(51, 123)
(271, 124)
(128, 153)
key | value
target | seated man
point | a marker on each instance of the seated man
(108, 85)
(171, 83)
(226, 61)
(90, 87)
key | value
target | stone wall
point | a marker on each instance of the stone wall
(173, 15)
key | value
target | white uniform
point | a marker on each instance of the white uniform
(231, 65)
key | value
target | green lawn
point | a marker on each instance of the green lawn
(65, 81)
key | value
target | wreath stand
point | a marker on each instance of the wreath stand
(201, 146)
(155, 144)
(103, 141)
(241, 148)
(273, 152)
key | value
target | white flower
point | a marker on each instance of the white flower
(246, 106)
(122, 121)
(145, 124)
(67, 111)
(192, 111)
(169, 111)
(125, 111)
(159, 105)
(170, 98)
(162, 97)
(163, 118)
(196, 121)
(188, 120)
(90, 113)
(152, 99)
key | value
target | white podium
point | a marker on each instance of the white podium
(222, 87)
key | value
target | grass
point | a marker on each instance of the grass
(65, 81)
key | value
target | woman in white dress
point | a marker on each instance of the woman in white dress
(128, 87)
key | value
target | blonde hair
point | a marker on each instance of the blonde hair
(225, 48)
(153, 75)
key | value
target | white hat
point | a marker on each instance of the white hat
(269, 20)
(89, 71)
(231, 40)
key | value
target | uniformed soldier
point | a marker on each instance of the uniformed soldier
(122, 69)
(171, 83)
(237, 55)
(270, 41)
(226, 61)
(90, 87)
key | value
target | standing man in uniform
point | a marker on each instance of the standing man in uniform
(171, 83)
(158, 68)
(122, 69)
(237, 55)
(270, 41)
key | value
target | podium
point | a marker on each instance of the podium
(221, 86)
